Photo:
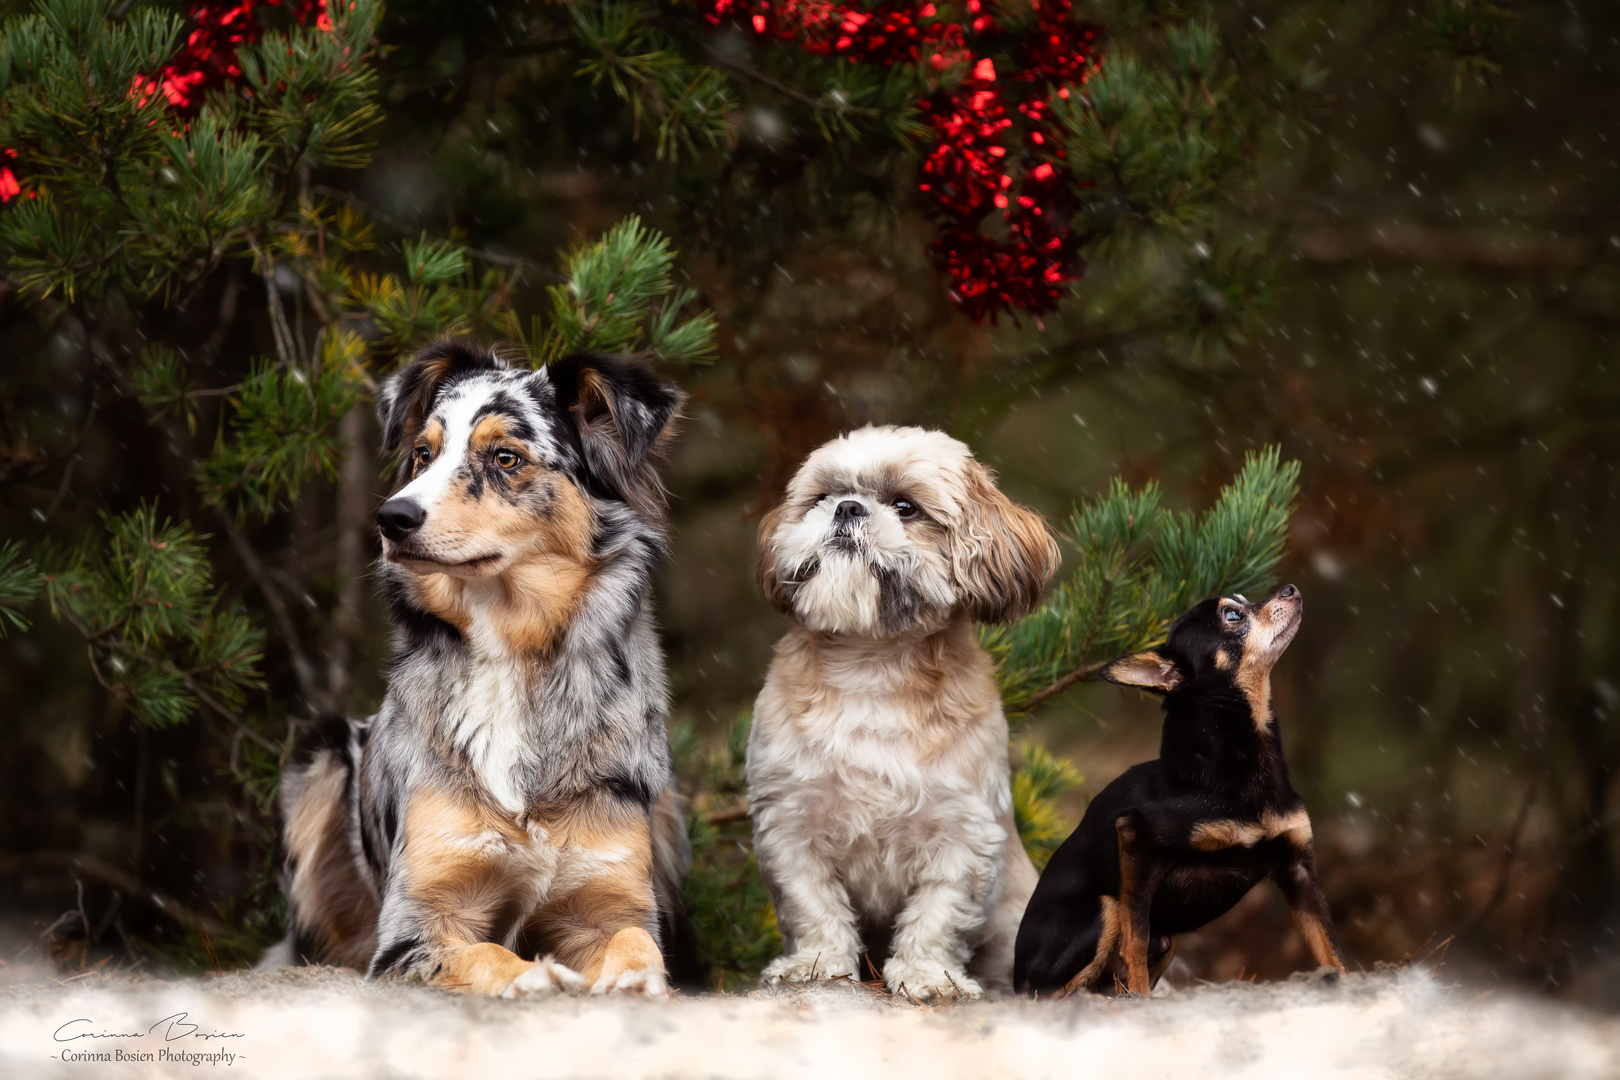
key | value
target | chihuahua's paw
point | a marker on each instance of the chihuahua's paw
(803, 967)
(543, 977)
(925, 982)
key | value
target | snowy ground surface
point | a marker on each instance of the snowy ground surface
(324, 1023)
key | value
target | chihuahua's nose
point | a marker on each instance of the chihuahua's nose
(848, 511)
(398, 518)
(1287, 592)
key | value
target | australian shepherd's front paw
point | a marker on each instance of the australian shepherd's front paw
(923, 982)
(807, 966)
(632, 965)
(542, 978)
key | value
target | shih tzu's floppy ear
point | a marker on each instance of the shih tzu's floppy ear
(1003, 553)
(406, 397)
(778, 593)
(1151, 670)
(622, 410)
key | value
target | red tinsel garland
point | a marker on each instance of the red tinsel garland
(207, 60)
(971, 169)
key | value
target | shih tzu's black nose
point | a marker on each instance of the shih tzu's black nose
(849, 511)
(398, 518)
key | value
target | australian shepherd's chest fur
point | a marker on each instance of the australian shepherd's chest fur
(511, 796)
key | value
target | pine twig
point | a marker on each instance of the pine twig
(92, 867)
(303, 668)
(1058, 685)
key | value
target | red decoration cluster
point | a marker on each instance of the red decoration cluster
(984, 159)
(207, 60)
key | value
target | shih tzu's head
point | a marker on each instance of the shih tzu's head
(889, 529)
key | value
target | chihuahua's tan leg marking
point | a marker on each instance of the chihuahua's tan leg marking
(1107, 942)
(1304, 895)
(1136, 899)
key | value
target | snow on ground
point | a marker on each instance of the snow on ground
(324, 1023)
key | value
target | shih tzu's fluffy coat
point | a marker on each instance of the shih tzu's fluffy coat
(877, 763)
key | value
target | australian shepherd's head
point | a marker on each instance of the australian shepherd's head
(892, 529)
(517, 482)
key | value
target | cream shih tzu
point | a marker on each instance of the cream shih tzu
(877, 762)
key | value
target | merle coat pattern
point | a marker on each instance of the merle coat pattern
(511, 797)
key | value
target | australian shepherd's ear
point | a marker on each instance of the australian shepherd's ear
(1002, 554)
(407, 396)
(624, 413)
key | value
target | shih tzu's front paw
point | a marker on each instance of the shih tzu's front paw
(928, 982)
(807, 966)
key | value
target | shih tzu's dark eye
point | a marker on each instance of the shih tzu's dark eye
(506, 459)
(905, 508)
(1232, 616)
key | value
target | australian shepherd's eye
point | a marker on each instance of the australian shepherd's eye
(507, 459)
(424, 454)
(905, 508)
(1232, 616)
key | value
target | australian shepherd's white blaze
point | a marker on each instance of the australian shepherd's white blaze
(877, 761)
(505, 824)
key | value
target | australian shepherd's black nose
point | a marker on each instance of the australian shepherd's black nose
(511, 799)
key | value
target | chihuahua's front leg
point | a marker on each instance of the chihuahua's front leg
(812, 906)
(449, 891)
(942, 915)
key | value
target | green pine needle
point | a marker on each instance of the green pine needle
(1139, 567)
(20, 583)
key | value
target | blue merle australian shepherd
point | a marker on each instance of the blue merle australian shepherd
(505, 824)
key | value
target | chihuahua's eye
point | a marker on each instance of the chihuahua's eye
(905, 508)
(506, 459)
(424, 455)
(1232, 616)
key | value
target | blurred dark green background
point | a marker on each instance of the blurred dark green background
(1435, 343)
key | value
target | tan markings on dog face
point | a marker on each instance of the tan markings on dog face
(432, 438)
(1223, 660)
(1225, 833)
(1271, 628)
(1107, 942)
(335, 906)
(549, 549)
(612, 846)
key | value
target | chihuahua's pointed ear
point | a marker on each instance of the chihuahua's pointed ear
(1003, 554)
(1150, 670)
(406, 397)
(624, 411)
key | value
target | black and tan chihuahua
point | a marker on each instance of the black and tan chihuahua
(1173, 844)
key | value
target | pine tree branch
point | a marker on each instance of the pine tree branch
(1057, 686)
(303, 668)
(755, 75)
(125, 882)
